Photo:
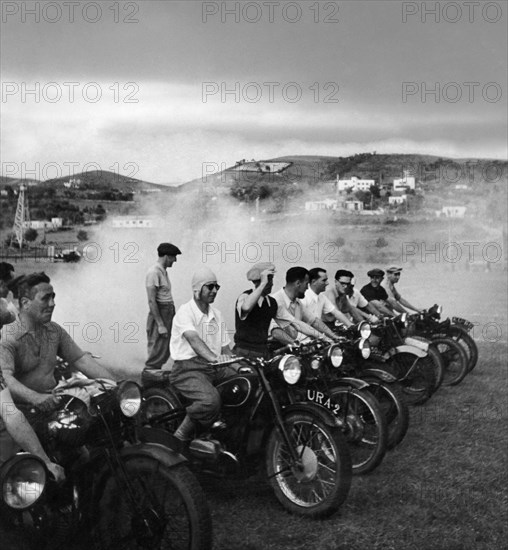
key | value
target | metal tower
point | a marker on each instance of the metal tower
(22, 216)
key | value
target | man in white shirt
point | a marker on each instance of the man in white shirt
(199, 336)
(291, 311)
(161, 306)
(317, 302)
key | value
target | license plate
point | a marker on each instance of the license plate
(463, 322)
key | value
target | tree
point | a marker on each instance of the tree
(82, 235)
(381, 242)
(31, 235)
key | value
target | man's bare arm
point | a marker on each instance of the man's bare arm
(201, 349)
(395, 305)
(405, 303)
(91, 368)
(151, 292)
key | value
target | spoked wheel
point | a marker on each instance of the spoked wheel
(364, 426)
(319, 482)
(455, 360)
(158, 508)
(463, 337)
(158, 402)
(415, 376)
(439, 366)
(392, 405)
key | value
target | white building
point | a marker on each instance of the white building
(452, 211)
(355, 183)
(397, 199)
(355, 206)
(406, 182)
(325, 204)
(135, 222)
(55, 223)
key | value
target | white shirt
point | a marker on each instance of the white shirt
(289, 311)
(317, 304)
(358, 299)
(210, 327)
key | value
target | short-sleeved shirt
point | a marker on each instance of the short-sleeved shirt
(22, 352)
(210, 327)
(391, 291)
(157, 277)
(357, 299)
(374, 293)
(317, 304)
(289, 310)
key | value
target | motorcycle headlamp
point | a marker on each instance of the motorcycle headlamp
(335, 356)
(315, 363)
(291, 368)
(365, 330)
(439, 310)
(23, 479)
(129, 398)
(364, 347)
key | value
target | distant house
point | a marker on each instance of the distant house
(397, 199)
(325, 204)
(406, 182)
(461, 186)
(355, 184)
(73, 183)
(451, 212)
(262, 166)
(354, 206)
(134, 222)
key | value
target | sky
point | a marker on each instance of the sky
(163, 91)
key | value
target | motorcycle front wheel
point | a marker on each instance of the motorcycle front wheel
(319, 483)
(415, 375)
(462, 336)
(157, 403)
(454, 358)
(364, 426)
(392, 405)
(153, 507)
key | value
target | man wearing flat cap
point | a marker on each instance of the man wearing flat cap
(199, 337)
(375, 294)
(395, 300)
(254, 312)
(161, 306)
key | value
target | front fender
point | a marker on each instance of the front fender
(161, 453)
(357, 383)
(380, 374)
(405, 348)
(320, 411)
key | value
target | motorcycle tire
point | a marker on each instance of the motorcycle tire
(392, 405)
(439, 366)
(455, 360)
(417, 387)
(462, 336)
(162, 507)
(317, 490)
(363, 425)
(157, 401)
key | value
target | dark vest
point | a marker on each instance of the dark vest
(252, 332)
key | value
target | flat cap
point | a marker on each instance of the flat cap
(376, 272)
(394, 269)
(254, 273)
(168, 248)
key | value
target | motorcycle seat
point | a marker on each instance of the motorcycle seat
(154, 377)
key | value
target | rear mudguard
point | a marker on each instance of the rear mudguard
(380, 374)
(324, 414)
(348, 382)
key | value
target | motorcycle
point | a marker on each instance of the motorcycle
(406, 358)
(118, 492)
(305, 455)
(456, 329)
(325, 381)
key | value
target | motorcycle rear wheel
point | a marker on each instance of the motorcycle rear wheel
(392, 405)
(454, 358)
(364, 426)
(162, 508)
(462, 336)
(323, 485)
